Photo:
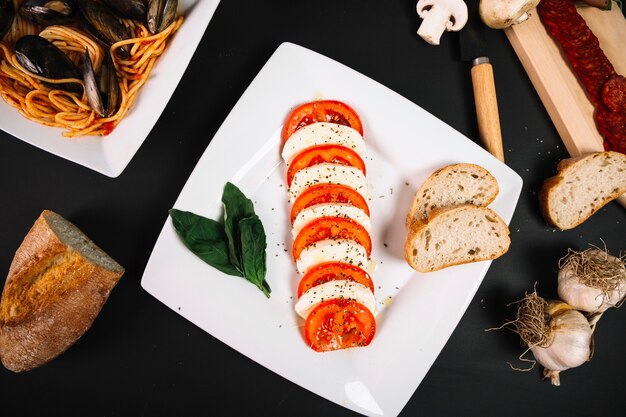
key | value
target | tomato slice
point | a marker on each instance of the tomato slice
(336, 154)
(331, 111)
(339, 324)
(333, 271)
(331, 228)
(328, 193)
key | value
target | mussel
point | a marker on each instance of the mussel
(48, 12)
(7, 14)
(103, 24)
(160, 14)
(102, 90)
(41, 57)
(131, 9)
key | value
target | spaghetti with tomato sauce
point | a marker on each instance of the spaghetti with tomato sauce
(36, 97)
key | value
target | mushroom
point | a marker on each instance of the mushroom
(499, 14)
(440, 15)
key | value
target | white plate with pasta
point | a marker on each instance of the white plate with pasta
(417, 313)
(111, 153)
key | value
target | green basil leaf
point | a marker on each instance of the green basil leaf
(206, 238)
(236, 207)
(253, 256)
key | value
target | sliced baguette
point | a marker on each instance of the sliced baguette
(456, 235)
(581, 187)
(450, 186)
(56, 285)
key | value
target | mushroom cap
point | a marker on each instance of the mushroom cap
(499, 14)
(455, 9)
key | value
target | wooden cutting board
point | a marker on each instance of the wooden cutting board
(555, 82)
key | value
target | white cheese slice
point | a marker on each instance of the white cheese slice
(322, 133)
(328, 173)
(339, 289)
(330, 210)
(332, 250)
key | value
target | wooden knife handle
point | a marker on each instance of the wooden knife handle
(487, 109)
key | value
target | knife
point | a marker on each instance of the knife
(474, 49)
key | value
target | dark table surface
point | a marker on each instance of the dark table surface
(140, 358)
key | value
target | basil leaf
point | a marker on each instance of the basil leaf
(236, 207)
(206, 238)
(253, 257)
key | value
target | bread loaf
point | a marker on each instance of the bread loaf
(450, 186)
(581, 187)
(456, 235)
(56, 285)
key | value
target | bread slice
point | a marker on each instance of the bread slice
(582, 186)
(57, 283)
(450, 186)
(456, 235)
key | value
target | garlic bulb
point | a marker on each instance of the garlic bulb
(559, 337)
(592, 280)
(569, 343)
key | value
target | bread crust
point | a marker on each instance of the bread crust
(37, 326)
(564, 167)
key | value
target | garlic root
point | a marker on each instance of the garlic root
(553, 375)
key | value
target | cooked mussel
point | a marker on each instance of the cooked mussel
(160, 14)
(7, 14)
(41, 57)
(103, 24)
(102, 90)
(48, 12)
(131, 9)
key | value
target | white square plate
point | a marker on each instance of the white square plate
(109, 155)
(405, 144)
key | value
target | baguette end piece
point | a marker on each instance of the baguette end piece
(57, 284)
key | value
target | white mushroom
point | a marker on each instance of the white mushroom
(440, 15)
(499, 14)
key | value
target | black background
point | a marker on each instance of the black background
(140, 358)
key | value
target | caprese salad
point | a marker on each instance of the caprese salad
(324, 149)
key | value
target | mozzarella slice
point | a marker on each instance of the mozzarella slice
(328, 173)
(322, 134)
(340, 289)
(331, 250)
(330, 210)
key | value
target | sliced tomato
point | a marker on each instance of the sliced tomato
(339, 324)
(333, 271)
(328, 193)
(336, 154)
(331, 111)
(331, 228)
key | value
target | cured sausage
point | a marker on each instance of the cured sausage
(605, 88)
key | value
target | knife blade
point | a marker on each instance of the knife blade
(473, 44)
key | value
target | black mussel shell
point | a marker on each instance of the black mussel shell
(131, 9)
(102, 90)
(102, 23)
(7, 14)
(48, 12)
(160, 15)
(41, 57)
